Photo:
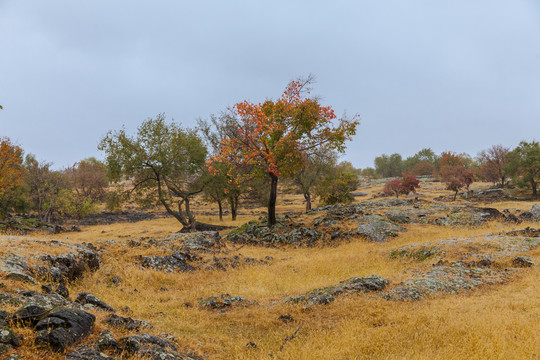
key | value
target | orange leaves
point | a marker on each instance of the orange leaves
(11, 171)
(275, 135)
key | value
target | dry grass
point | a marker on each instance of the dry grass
(496, 322)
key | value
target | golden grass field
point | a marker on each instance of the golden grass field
(493, 322)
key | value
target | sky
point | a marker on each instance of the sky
(455, 75)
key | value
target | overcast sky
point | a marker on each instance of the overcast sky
(455, 75)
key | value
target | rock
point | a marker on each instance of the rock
(4, 317)
(86, 354)
(221, 302)
(64, 327)
(525, 216)
(19, 276)
(70, 266)
(28, 315)
(87, 298)
(59, 289)
(107, 342)
(285, 318)
(127, 323)
(199, 241)
(169, 263)
(535, 211)
(8, 339)
(135, 343)
(522, 261)
(326, 295)
(375, 228)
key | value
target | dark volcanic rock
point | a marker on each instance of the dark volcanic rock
(87, 354)
(59, 289)
(126, 323)
(64, 327)
(87, 298)
(134, 343)
(8, 339)
(28, 315)
(69, 267)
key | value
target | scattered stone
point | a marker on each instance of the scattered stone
(251, 345)
(70, 266)
(326, 295)
(285, 318)
(522, 261)
(86, 354)
(169, 263)
(59, 289)
(8, 339)
(535, 212)
(64, 327)
(87, 298)
(28, 315)
(107, 342)
(127, 323)
(19, 276)
(223, 301)
(413, 252)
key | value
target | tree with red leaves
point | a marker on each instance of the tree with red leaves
(273, 138)
(407, 184)
(456, 178)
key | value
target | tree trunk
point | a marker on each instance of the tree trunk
(272, 200)
(455, 195)
(234, 206)
(220, 210)
(307, 196)
(533, 186)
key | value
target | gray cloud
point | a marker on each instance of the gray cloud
(457, 75)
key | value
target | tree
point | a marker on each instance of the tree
(493, 164)
(337, 184)
(312, 173)
(456, 177)
(163, 162)
(408, 183)
(389, 166)
(274, 137)
(523, 164)
(48, 189)
(89, 179)
(10, 171)
(394, 187)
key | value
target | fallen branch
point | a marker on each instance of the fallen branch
(294, 334)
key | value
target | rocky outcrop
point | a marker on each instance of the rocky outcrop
(89, 299)
(326, 295)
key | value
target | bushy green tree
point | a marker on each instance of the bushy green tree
(163, 163)
(336, 186)
(523, 164)
(389, 166)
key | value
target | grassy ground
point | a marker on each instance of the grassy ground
(493, 322)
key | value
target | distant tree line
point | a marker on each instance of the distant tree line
(499, 165)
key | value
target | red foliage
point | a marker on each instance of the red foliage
(456, 178)
(409, 183)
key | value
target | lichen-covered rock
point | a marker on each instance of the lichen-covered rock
(535, 212)
(522, 261)
(168, 263)
(89, 299)
(127, 323)
(64, 327)
(326, 295)
(84, 353)
(453, 279)
(8, 339)
(69, 266)
(223, 301)
(59, 289)
(376, 228)
(28, 315)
